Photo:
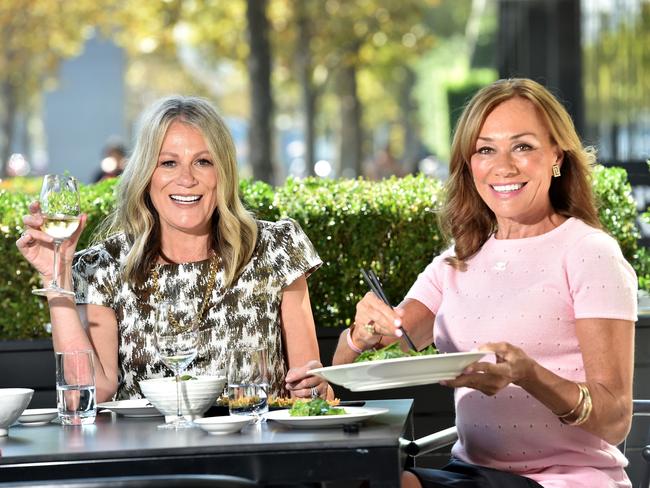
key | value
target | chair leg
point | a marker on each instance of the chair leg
(645, 480)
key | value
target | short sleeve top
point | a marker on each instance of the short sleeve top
(246, 314)
(530, 292)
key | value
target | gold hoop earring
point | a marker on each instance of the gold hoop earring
(556, 170)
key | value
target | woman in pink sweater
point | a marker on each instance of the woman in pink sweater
(533, 278)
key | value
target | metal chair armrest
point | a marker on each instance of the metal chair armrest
(641, 407)
(431, 442)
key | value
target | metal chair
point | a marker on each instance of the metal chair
(154, 481)
(634, 452)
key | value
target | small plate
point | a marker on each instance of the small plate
(352, 415)
(38, 416)
(224, 425)
(139, 407)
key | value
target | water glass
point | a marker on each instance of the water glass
(248, 381)
(75, 387)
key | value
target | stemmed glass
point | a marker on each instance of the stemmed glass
(61, 211)
(248, 381)
(176, 336)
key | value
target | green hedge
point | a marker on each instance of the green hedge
(389, 226)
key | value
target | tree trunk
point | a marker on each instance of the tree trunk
(350, 150)
(8, 101)
(304, 64)
(409, 113)
(259, 73)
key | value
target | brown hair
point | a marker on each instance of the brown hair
(465, 218)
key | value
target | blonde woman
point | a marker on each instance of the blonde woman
(180, 232)
(533, 279)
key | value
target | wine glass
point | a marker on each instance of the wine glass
(248, 381)
(176, 336)
(61, 212)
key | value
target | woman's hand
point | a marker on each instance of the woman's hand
(300, 384)
(512, 365)
(38, 247)
(375, 319)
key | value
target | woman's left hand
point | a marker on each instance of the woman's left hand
(300, 384)
(512, 365)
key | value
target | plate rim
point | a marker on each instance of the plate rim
(41, 411)
(397, 360)
(231, 419)
(234, 424)
(373, 375)
(361, 413)
(128, 411)
(54, 412)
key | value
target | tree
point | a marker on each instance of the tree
(35, 35)
(259, 71)
(617, 76)
(213, 41)
(337, 40)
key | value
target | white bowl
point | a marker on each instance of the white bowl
(197, 395)
(13, 402)
(228, 424)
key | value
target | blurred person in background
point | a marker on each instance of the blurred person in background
(180, 231)
(383, 165)
(533, 279)
(113, 161)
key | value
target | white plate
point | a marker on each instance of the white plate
(398, 372)
(38, 416)
(228, 424)
(139, 407)
(352, 415)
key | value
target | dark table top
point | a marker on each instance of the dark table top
(117, 445)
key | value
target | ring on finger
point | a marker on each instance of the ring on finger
(370, 328)
(314, 392)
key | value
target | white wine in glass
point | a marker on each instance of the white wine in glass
(176, 335)
(61, 211)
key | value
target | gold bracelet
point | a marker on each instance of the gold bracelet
(586, 408)
(583, 409)
(581, 397)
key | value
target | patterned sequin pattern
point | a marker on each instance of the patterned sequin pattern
(247, 314)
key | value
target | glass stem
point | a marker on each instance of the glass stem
(179, 414)
(55, 271)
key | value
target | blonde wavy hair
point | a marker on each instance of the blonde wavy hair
(234, 231)
(465, 218)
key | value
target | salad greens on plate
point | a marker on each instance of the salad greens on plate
(314, 407)
(393, 351)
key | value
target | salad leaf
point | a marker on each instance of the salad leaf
(186, 377)
(311, 408)
(393, 351)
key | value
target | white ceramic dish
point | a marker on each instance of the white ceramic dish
(13, 402)
(139, 407)
(352, 415)
(228, 424)
(38, 416)
(398, 372)
(197, 395)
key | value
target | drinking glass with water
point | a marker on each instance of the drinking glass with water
(75, 387)
(248, 382)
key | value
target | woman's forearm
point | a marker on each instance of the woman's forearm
(610, 415)
(69, 333)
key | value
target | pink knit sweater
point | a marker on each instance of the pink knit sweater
(529, 292)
